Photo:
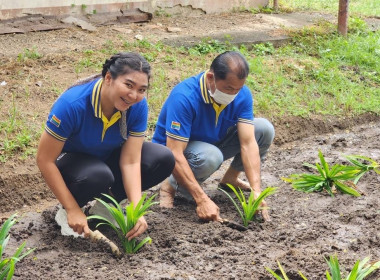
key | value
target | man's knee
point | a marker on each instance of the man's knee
(264, 132)
(209, 164)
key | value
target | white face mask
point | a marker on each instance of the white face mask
(221, 97)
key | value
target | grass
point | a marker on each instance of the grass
(356, 7)
(318, 74)
(18, 134)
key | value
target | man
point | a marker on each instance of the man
(206, 120)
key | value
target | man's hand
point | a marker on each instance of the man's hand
(264, 205)
(138, 229)
(77, 220)
(208, 210)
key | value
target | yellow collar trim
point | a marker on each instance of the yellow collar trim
(204, 91)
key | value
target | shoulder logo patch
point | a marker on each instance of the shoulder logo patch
(176, 125)
(54, 120)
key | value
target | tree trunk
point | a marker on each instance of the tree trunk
(343, 17)
(275, 5)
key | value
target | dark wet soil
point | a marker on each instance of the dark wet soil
(305, 228)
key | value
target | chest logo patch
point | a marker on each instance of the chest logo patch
(176, 125)
(54, 120)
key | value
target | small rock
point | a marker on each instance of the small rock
(39, 83)
(139, 37)
(122, 30)
(3, 83)
(173, 29)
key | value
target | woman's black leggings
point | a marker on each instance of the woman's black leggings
(87, 177)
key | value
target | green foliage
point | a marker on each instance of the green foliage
(249, 206)
(29, 54)
(16, 134)
(7, 265)
(126, 222)
(359, 272)
(207, 46)
(263, 49)
(337, 176)
(357, 25)
(319, 73)
(161, 13)
(357, 7)
(360, 164)
(284, 276)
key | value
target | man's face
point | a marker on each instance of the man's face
(231, 85)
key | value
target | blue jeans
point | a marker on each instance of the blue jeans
(204, 158)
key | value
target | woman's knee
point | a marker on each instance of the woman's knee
(155, 156)
(84, 173)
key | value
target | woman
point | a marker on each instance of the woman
(93, 141)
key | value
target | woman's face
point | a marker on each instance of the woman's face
(127, 89)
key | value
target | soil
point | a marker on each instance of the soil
(305, 228)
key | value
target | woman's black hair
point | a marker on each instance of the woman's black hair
(124, 63)
(120, 64)
(230, 62)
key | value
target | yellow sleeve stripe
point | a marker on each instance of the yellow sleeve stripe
(184, 139)
(55, 135)
(137, 134)
(245, 121)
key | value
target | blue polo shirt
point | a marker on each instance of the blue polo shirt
(76, 118)
(189, 113)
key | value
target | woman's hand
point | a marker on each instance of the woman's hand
(77, 220)
(138, 229)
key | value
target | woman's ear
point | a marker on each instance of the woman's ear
(108, 78)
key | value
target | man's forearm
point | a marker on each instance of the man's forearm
(185, 177)
(251, 162)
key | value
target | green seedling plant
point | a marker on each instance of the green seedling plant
(359, 272)
(248, 206)
(283, 275)
(126, 222)
(336, 176)
(359, 162)
(7, 265)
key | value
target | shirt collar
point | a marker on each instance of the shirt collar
(204, 92)
(95, 99)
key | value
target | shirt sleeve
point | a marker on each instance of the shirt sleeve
(179, 117)
(60, 120)
(246, 113)
(137, 122)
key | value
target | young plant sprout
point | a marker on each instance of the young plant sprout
(7, 265)
(359, 272)
(284, 276)
(359, 162)
(337, 176)
(126, 222)
(250, 205)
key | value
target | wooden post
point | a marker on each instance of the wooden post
(275, 5)
(343, 17)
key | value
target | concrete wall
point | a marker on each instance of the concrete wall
(10, 9)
